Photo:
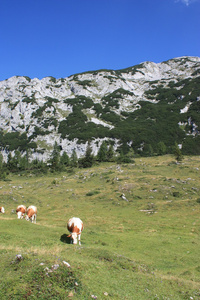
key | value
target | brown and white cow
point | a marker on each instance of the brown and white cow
(2, 210)
(21, 210)
(31, 213)
(75, 227)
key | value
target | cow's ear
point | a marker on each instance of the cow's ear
(69, 235)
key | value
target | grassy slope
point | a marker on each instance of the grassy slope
(143, 248)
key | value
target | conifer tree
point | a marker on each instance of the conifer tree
(2, 168)
(64, 159)
(87, 161)
(161, 148)
(110, 153)
(177, 153)
(74, 159)
(11, 162)
(1, 161)
(55, 157)
(102, 153)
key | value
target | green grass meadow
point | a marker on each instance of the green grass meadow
(141, 237)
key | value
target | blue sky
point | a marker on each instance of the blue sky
(58, 38)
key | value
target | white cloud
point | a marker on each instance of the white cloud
(187, 2)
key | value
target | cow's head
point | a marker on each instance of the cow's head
(73, 237)
(19, 215)
(27, 218)
(2, 210)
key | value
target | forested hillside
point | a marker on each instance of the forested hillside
(146, 109)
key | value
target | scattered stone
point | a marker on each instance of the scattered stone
(47, 270)
(105, 294)
(55, 267)
(93, 297)
(70, 294)
(66, 264)
(124, 197)
(194, 189)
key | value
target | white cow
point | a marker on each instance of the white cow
(2, 210)
(31, 213)
(75, 227)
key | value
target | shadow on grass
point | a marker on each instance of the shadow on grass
(65, 239)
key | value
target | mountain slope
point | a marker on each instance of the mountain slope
(135, 107)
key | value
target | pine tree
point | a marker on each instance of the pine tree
(161, 148)
(55, 157)
(12, 161)
(64, 159)
(87, 161)
(131, 154)
(74, 159)
(177, 153)
(1, 162)
(2, 168)
(102, 153)
(110, 153)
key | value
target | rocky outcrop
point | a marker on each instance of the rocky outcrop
(37, 107)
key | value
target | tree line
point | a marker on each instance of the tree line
(20, 162)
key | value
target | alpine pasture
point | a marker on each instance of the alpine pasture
(140, 238)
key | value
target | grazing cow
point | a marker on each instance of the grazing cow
(31, 213)
(75, 227)
(21, 210)
(2, 210)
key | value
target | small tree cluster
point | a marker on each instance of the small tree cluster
(105, 153)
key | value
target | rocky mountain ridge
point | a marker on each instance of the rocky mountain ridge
(46, 110)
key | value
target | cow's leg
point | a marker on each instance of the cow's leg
(79, 239)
